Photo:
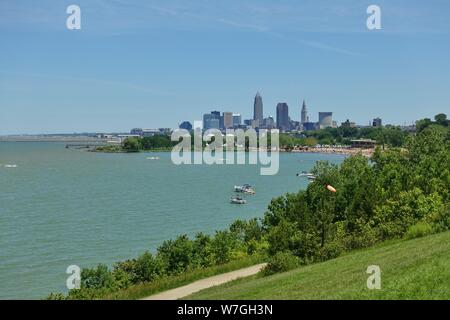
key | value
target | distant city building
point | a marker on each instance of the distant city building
(151, 132)
(255, 124)
(219, 117)
(348, 124)
(376, 122)
(269, 123)
(283, 116)
(186, 125)
(211, 121)
(148, 132)
(136, 131)
(304, 117)
(227, 120)
(325, 119)
(363, 143)
(248, 122)
(258, 109)
(310, 126)
(295, 125)
(237, 119)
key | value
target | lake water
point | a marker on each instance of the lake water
(62, 207)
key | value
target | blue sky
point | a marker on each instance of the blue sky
(156, 63)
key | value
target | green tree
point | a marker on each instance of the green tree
(441, 119)
(131, 144)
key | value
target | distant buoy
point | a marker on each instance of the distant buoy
(331, 188)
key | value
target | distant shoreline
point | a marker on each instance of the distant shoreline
(331, 150)
(104, 142)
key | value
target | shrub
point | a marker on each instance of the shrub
(330, 251)
(418, 230)
(281, 262)
(97, 278)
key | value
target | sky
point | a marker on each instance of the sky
(153, 64)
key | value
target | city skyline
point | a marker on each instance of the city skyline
(155, 64)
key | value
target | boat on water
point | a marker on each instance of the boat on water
(152, 158)
(304, 174)
(246, 188)
(10, 165)
(238, 200)
(308, 175)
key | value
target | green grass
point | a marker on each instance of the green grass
(410, 269)
(170, 282)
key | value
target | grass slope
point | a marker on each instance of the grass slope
(170, 282)
(410, 269)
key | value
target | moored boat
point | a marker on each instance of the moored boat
(238, 200)
(246, 188)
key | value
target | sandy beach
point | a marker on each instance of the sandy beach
(333, 150)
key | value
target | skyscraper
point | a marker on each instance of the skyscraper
(258, 109)
(304, 113)
(325, 119)
(211, 120)
(282, 116)
(227, 120)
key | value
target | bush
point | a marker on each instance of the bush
(330, 251)
(281, 262)
(97, 278)
(419, 230)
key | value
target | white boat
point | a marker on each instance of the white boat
(238, 200)
(152, 158)
(246, 188)
(308, 175)
(304, 174)
(10, 165)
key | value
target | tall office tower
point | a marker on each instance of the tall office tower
(258, 109)
(325, 119)
(304, 113)
(216, 115)
(227, 120)
(282, 116)
(211, 120)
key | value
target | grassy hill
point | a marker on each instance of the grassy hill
(410, 269)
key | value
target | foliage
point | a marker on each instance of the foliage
(182, 255)
(132, 144)
(418, 230)
(394, 194)
(281, 262)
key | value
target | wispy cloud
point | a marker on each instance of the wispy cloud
(243, 25)
(91, 81)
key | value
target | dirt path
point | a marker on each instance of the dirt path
(186, 290)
